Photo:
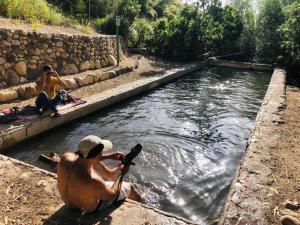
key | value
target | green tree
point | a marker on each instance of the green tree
(80, 7)
(159, 44)
(140, 33)
(147, 8)
(247, 41)
(129, 10)
(67, 6)
(231, 25)
(187, 36)
(290, 30)
(268, 22)
(101, 8)
(162, 6)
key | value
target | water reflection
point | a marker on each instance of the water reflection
(194, 132)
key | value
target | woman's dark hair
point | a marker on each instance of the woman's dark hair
(46, 68)
(95, 151)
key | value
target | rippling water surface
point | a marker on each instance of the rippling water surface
(193, 131)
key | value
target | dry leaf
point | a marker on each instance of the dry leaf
(6, 220)
(8, 189)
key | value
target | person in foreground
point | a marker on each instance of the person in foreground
(48, 97)
(79, 177)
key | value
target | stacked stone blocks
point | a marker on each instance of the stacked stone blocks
(22, 54)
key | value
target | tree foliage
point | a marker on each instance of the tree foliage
(290, 30)
(173, 29)
(268, 22)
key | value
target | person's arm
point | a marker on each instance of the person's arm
(113, 156)
(110, 194)
(40, 83)
(110, 174)
(105, 193)
(60, 82)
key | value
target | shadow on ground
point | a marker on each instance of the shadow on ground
(66, 215)
(164, 63)
(293, 80)
(293, 76)
(152, 73)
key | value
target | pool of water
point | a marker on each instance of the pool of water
(193, 131)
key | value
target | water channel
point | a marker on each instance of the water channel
(193, 130)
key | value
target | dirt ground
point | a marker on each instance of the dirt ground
(23, 193)
(285, 162)
(42, 28)
(29, 197)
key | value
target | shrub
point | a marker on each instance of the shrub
(99, 24)
(34, 11)
(105, 25)
(55, 18)
(27, 10)
(140, 33)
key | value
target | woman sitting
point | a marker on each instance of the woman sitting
(48, 97)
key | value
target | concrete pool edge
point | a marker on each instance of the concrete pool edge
(52, 210)
(250, 188)
(214, 61)
(12, 134)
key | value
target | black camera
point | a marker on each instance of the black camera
(134, 152)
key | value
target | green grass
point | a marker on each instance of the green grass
(37, 12)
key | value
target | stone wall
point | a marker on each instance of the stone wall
(23, 53)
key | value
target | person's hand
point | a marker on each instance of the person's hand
(54, 74)
(118, 168)
(117, 155)
(125, 169)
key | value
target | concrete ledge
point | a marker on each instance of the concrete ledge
(29, 196)
(232, 57)
(10, 135)
(239, 65)
(251, 190)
